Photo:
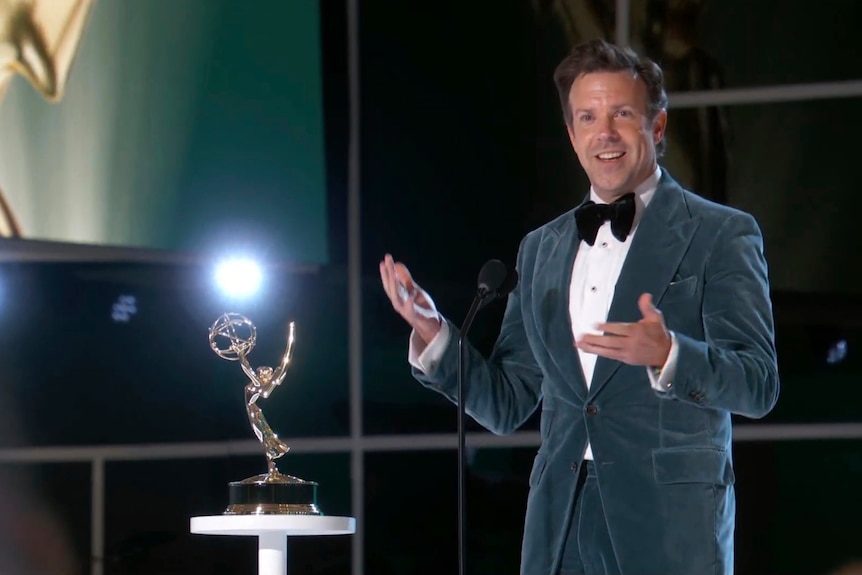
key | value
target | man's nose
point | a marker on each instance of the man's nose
(607, 127)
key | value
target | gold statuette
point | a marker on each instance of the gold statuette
(271, 492)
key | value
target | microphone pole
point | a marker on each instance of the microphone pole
(462, 449)
(492, 276)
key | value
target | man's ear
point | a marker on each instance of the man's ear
(571, 133)
(659, 124)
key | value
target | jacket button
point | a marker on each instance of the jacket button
(574, 466)
(592, 409)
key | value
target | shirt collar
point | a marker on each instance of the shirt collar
(644, 192)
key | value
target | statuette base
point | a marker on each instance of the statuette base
(272, 494)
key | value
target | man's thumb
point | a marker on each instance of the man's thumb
(404, 276)
(648, 310)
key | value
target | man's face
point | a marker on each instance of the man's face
(611, 131)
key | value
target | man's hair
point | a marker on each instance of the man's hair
(602, 56)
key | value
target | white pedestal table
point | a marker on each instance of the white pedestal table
(272, 532)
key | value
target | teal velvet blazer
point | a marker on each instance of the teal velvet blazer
(663, 459)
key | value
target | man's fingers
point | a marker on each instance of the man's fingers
(396, 293)
(641, 343)
(408, 299)
(397, 277)
(598, 349)
(616, 328)
(386, 279)
(402, 274)
(589, 341)
(390, 285)
(405, 286)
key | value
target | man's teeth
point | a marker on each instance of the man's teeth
(610, 155)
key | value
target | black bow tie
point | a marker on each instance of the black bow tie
(590, 216)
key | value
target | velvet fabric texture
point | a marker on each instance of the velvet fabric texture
(663, 459)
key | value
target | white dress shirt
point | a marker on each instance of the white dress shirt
(594, 277)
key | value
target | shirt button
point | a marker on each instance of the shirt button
(604, 244)
(594, 288)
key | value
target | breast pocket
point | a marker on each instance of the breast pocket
(680, 289)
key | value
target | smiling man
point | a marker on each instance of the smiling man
(642, 322)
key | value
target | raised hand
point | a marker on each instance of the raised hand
(409, 300)
(646, 342)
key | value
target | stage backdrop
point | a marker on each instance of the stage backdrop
(191, 126)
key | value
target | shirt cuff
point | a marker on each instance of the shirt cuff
(425, 358)
(661, 378)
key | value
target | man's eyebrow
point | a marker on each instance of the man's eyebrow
(614, 107)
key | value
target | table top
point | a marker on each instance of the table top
(290, 525)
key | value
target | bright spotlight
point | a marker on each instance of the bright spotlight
(238, 277)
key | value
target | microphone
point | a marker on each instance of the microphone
(495, 281)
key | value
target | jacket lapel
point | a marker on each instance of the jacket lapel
(660, 241)
(554, 264)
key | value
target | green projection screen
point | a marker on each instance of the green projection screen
(187, 125)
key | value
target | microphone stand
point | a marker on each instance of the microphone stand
(481, 294)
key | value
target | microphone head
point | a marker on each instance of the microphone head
(509, 284)
(492, 276)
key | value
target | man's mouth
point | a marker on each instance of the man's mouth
(610, 156)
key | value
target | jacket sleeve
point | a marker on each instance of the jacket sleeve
(500, 391)
(736, 368)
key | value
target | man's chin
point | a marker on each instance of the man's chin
(610, 186)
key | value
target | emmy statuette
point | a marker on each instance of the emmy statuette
(270, 493)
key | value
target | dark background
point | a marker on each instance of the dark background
(463, 151)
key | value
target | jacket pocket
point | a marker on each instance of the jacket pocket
(692, 465)
(680, 289)
(538, 469)
(546, 423)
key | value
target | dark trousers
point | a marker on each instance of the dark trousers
(588, 549)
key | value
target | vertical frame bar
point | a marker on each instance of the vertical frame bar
(354, 271)
(623, 22)
(97, 516)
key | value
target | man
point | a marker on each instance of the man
(641, 322)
